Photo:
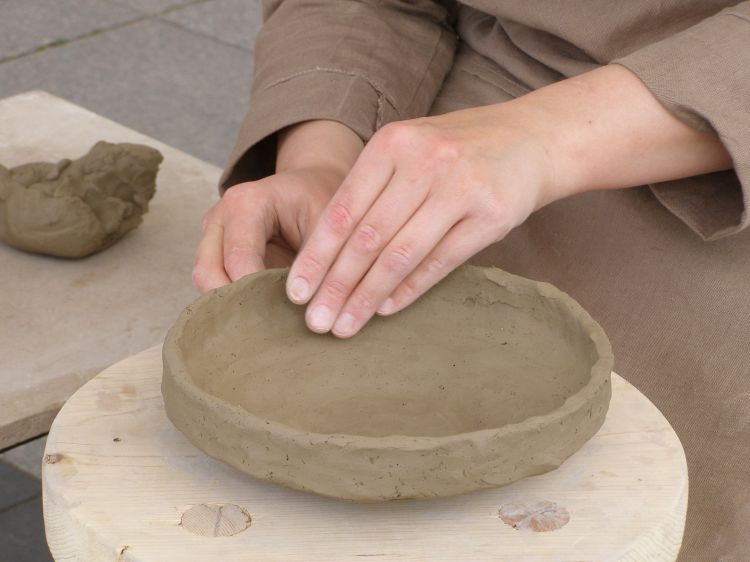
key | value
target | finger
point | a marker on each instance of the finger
(459, 244)
(366, 180)
(208, 270)
(245, 241)
(388, 214)
(398, 259)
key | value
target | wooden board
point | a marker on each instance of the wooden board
(63, 321)
(121, 483)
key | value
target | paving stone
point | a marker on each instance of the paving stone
(31, 24)
(185, 90)
(233, 21)
(26, 457)
(22, 538)
(16, 486)
(153, 6)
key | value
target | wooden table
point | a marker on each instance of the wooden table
(121, 483)
(63, 321)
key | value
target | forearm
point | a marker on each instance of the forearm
(319, 143)
(605, 130)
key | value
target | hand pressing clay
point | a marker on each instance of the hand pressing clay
(487, 379)
(75, 208)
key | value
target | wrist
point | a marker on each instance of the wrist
(556, 144)
(605, 130)
(318, 144)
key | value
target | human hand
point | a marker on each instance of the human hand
(424, 196)
(263, 223)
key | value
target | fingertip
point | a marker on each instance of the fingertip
(319, 319)
(345, 326)
(387, 308)
(298, 290)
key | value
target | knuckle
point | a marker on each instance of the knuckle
(399, 259)
(234, 260)
(339, 218)
(198, 278)
(499, 213)
(408, 289)
(397, 134)
(363, 300)
(445, 150)
(498, 217)
(367, 238)
(336, 289)
(309, 265)
(435, 265)
(231, 196)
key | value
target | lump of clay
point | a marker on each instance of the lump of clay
(488, 378)
(75, 208)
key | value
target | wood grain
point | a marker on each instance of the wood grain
(119, 480)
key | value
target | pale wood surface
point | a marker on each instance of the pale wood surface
(63, 321)
(118, 478)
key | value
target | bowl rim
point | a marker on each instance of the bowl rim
(600, 374)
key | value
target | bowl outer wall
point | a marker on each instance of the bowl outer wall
(366, 468)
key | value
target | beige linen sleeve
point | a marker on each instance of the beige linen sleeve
(361, 63)
(702, 75)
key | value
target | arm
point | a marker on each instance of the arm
(264, 223)
(362, 63)
(427, 194)
(328, 73)
(605, 130)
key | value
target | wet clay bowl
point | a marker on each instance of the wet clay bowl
(487, 379)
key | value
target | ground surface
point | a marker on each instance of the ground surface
(176, 70)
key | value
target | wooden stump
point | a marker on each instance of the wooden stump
(121, 483)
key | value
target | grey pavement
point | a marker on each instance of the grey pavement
(217, 19)
(28, 26)
(26, 457)
(157, 6)
(176, 70)
(179, 72)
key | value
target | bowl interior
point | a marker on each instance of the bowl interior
(470, 355)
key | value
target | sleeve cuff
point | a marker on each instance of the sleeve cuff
(303, 97)
(702, 75)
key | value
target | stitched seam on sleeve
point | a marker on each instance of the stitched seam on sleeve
(377, 87)
(379, 90)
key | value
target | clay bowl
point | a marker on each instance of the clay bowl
(487, 379)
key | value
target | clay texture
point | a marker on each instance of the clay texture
(75, 208)
(487, 379)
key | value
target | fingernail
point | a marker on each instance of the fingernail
(320, 318)
(344, 326)
(388, 307)
(299, 290)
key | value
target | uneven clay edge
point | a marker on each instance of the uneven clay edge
(174, 369)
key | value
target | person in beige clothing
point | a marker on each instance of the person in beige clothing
(389, 141)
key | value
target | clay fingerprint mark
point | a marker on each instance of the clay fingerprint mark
(215, 520)
(538, 517)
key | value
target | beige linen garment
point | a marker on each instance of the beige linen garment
(676, 307)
